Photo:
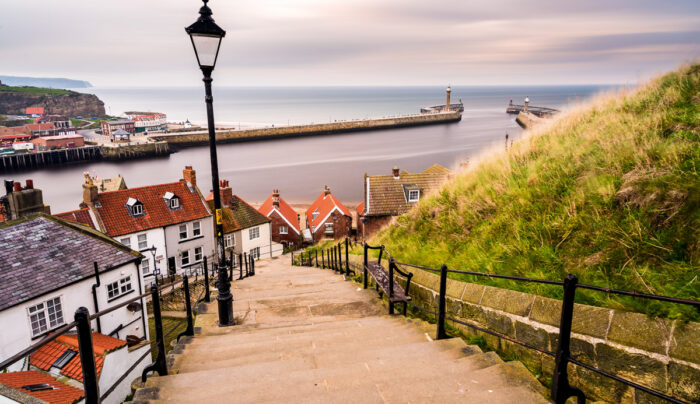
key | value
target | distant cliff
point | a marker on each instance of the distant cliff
(14, 100)
(43, 82)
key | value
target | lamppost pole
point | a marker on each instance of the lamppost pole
(206, 39)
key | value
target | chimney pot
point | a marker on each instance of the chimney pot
(395, 171)
(326, 190)
(30, 184)
(17, 187)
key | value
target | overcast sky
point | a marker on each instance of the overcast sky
(352, 42)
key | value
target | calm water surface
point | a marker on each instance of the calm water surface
(301, 167)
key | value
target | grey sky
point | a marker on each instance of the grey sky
(352, 42)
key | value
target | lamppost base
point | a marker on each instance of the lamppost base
(225, 304)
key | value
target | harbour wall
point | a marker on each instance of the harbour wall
(49, 158)
(230, 136)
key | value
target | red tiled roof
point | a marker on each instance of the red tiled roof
(284, 209)
(117, 219)
(81, 216)
(14, 137)
(60, 394)
(45, 356)
(324, 205)
(360, 208)
(34, 110)
(39, 126)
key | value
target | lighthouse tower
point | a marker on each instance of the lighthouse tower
(449, 92)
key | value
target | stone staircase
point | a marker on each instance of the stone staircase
(305, 335)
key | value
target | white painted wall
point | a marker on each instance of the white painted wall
(174, 246)
(17, 332)
(264, 241)
(115, 364)
(154, 237)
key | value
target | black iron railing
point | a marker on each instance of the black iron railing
(82, 327)
(561, 389)
(330, 258)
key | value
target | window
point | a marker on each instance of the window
(135, 207)
(145, 266)
(413, 195)
(196, 229)
(253, 233)
(171, 200)
(174, 203)
(118, 288)
(143, 242)
(255, 253)
(229, 241)
(284, 230)
(185, 258)
(46, 316)
(126, 241)
(314, 216)
(329, 228)
(183, 231)
(197, 254)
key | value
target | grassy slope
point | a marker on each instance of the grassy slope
(608, 192)
(35, 90)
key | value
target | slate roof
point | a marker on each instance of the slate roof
(388, 195)
(284, 209)
(44, 253)
(239, 216)
(117, 219)
(60, 394)
(324, 205)
(81, 216)
(45, 356)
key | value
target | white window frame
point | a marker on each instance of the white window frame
(137, 209)
(145, 266)
(181, 232)
(255, 253)
(118, 288)
(197, 259)
(284, 229)
(411, 191)
(42, 313)
(185, 258)
(328, 227)
(174, 202)
(144, 241)
(253, 233)
(229, 241)
(126, 241)
(196, 229)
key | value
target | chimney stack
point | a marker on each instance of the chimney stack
(326, 191)
(23, 202)
(30, 184)
(396, 173)
(89, 191)
(17, 187)
(9, 185)
(276, 198)
(190, 176)
(226, 193)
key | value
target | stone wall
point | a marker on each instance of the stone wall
(658, 353)
(135, 151)
(200, 138)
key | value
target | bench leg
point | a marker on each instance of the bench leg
(405, 307)
(391, 308)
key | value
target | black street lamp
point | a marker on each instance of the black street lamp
(206, 39)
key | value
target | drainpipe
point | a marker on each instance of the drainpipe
(143, 305)
(94, 296)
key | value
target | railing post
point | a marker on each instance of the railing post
(252, 266)
(441, 334)
(340, 258)
(347, 256)
(316, 251)
(292, 257)
(364, 267)
(160, 365)
(391, 285)
(230, 277)
(189, 331)
(323, 259)
(207, 297)
(561, 390)
(87, 356)
(381, 251)
(247, 271)
(335, 258)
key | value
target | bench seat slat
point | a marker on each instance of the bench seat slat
(381, 276)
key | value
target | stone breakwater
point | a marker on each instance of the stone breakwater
(230, 136)
(658, 353)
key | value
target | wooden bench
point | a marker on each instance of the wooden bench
(384, 282)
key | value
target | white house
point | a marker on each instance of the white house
(245, 229)
(170, 224)
(50, 267)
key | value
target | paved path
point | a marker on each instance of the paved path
(306, 335)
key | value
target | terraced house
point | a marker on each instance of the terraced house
(284, 220)
(328, 217)
(245, 229)
(387, 196)
(169, 223)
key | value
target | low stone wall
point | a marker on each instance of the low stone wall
(200, 138)
(658, 353)
(135, 151)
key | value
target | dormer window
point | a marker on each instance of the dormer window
(314, 215)
(413, 195)
(135, 207)
(172, 200)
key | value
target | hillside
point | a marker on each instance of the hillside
(14, 100)
(44, 82)
(608, 191)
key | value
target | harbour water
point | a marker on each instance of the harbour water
(300, 167)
